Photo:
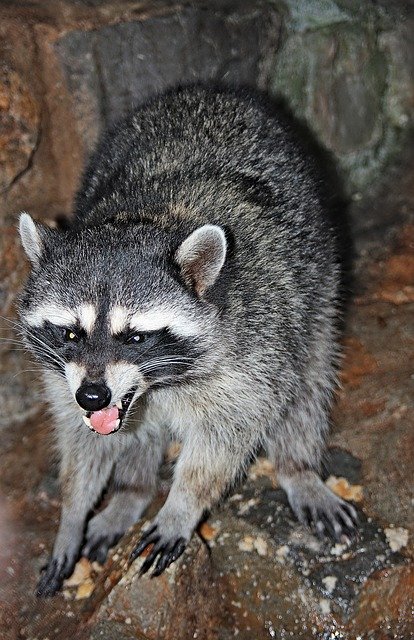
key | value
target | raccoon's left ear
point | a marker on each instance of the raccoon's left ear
(32, 235)
(201, 257)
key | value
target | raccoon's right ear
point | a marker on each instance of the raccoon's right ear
(201, 257)
(32, 235)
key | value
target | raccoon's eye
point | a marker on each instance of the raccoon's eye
(71, 336)
(135, 338)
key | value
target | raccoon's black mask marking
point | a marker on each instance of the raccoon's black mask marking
(159, 354)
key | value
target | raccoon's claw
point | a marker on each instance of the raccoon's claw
(169, 555)
(167, 551)
(339, 524)
(318, 508)
(336, 519)
(97, 548)
(148, 537)
(53, 575)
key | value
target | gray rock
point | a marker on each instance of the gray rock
(260, 574)
(111, 69)
(341, 71)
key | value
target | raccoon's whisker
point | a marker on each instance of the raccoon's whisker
(168, 357)
(132, 412)
(158, 367)
(44, 348)
(19, 373)
(14, 323)
(163, 362)
(165, 346)
(15, 326)
(171, 357)
(44, 353)
(13, 345)
(24, 347)
(48, 359)
(38, 368)
(166, 361)
(17, 345)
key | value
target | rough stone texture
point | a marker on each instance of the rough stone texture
(156, 607)
(20, 108)
(343, 98)
(67, 69)
(19, 127)
(247, 591)
(380, 345)
(346, 69)
(111, 69)
(40, 156)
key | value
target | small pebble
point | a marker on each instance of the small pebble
(325, 606)
(330, 583)
(261, 546)
(246, 544)
(85, 589)
(397, 537)
(338, 549)
(282, 552)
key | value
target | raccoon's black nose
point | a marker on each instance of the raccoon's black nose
(93, 397)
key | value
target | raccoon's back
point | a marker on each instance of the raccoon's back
(196, 155)
(195, 147)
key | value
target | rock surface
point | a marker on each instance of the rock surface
(111, 69)
(70, 68)
(19, 126)
(341, 71)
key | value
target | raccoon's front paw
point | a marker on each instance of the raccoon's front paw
(317, 507)
(166, 548)
(53, 575)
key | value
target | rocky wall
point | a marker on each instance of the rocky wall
(69, 68)
(346, 69)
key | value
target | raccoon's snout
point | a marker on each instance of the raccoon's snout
(93, 397)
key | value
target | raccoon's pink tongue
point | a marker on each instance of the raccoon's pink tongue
(104, 421)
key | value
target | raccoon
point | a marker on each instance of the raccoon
(195, 296)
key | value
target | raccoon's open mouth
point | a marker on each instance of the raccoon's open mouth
(109, 420)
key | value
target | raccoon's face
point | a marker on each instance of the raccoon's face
(117, 312)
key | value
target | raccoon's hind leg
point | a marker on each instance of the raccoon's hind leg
(295, 447)
(134, 484)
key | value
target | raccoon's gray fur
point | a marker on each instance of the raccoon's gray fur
(197, 287)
